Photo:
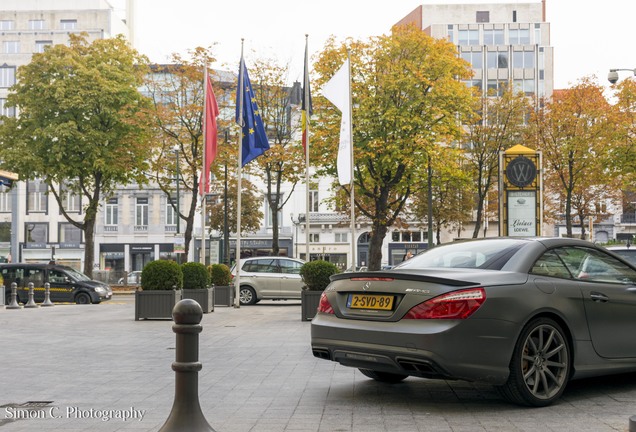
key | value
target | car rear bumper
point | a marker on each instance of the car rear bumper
(472, 350)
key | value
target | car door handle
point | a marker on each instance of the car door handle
(598, 297)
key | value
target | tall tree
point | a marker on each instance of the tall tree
(451, 191)
(498, 123)
(82, 125)
(624, 148)
(407, 96)
(178, 95)
(574, 131)
(283, 162)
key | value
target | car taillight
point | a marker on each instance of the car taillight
(454, 305)
(324, 306)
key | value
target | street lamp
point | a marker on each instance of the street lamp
(612, 77)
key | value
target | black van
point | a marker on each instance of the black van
(67, 284)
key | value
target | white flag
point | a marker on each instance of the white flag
(337, 90)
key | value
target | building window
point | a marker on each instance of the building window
(37, 196)
(537, 34)
(468, 37)
(11, 47)
(171, 214)
(270, 216)
(68, 24)
(313, 198)
(342, 237)
(524, 85)
(523, 59)
(451, 33)
(497, 59)
(7, 76)
(483, 16)
(5, 232)
(314, 237)
(41, 45)
(111, 212)
(141, 212)
(5, 110)
(476, 83)
(7, 24)
(474, 58)
(493, 37)
(36, 232)
(496, 87)
(69, 233)
(70, 200)
(36, 24)
(519, 36)
(5, 200)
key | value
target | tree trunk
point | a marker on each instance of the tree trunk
(89, 244)
(378, 234)
(275, 245)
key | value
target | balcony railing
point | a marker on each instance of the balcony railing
(628, 218)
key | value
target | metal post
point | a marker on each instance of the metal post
(31, 303)
(186, 414)
(14, 297)
(47, 295)
(226, 226)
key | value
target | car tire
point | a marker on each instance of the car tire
(247, 296)
(540, 365)
(82, 298)
(385, 377)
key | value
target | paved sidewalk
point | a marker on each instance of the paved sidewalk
(84, 367)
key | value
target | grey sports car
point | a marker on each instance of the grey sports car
(526, 315)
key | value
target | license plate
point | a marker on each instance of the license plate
(370, 301)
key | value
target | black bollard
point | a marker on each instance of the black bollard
(31, 303)
(186, 414)
(47, 295)
(14, 298)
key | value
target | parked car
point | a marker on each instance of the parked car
(526, 315)
(66, 283)
(133, 278)
(625, 251)
(275, 278)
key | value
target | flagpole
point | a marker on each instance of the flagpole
(307, 108)
(351, 194)
(203, 170)
(241, 90)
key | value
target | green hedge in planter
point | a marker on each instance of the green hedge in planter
(161, 275)
(316, 274)
(220, 274)
(195, 275)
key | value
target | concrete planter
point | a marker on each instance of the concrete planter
(309, 301)
(155, 304)
(224, 295)
(204, 296)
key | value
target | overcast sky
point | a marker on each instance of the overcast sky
(589, 37)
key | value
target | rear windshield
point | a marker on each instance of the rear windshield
(484, 254)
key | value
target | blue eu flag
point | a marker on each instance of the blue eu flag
(255, 141)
